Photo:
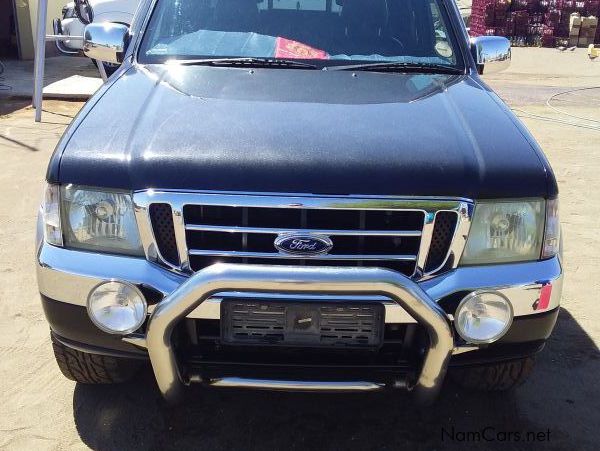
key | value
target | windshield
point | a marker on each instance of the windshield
(324, 32)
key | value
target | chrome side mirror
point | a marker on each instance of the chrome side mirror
(491, 53)
(105, 41)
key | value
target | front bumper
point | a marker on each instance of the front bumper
(68, 276)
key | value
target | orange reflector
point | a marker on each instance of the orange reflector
(545, 294)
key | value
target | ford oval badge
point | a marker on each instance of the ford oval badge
(303, 245)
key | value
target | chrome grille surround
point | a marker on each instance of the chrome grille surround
(178, 200)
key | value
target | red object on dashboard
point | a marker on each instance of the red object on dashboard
(286, 48)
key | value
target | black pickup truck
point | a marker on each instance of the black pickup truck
(299, 195)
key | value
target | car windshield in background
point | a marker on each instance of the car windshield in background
(338, 31)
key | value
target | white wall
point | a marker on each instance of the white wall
(27, 20)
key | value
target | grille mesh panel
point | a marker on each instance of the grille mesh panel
(164, 232)
(443, 231)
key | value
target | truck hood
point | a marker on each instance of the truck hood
(301, 131)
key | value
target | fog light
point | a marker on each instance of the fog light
(483, 316)
(117, 307)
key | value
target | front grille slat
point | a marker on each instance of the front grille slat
(244, 231)
(242, 254)
(404, 267)
(357, 232)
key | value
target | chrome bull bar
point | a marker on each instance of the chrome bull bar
(299, 279)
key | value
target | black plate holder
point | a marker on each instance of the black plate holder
(309, 323)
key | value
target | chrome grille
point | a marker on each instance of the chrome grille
(395, 233)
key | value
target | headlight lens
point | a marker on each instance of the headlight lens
(505, 231)
(100, 221)
(51, 216)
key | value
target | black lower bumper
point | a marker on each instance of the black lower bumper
(70, 324)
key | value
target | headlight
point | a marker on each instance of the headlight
(505, 231)
(101, 221)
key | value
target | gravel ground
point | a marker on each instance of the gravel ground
(42, 410)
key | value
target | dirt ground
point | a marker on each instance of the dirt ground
(42, 410)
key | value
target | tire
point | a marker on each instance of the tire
(500, 376)
(93, 368)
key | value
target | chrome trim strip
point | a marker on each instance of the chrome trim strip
(306, 195)
(277, 231)
(180, 239)
(303, 386)
(521, 283)
(463, 349)
(461, 233)
(69, 276)
(298, 279)
(380, 257)
(142, 217)
(179, 199)
(425, 243)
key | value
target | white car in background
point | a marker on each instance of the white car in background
(77, 14)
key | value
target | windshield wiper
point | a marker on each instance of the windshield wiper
(391, 66)
(247, 62)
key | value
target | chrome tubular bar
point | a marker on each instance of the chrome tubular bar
(306, 386)
(299, 279)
